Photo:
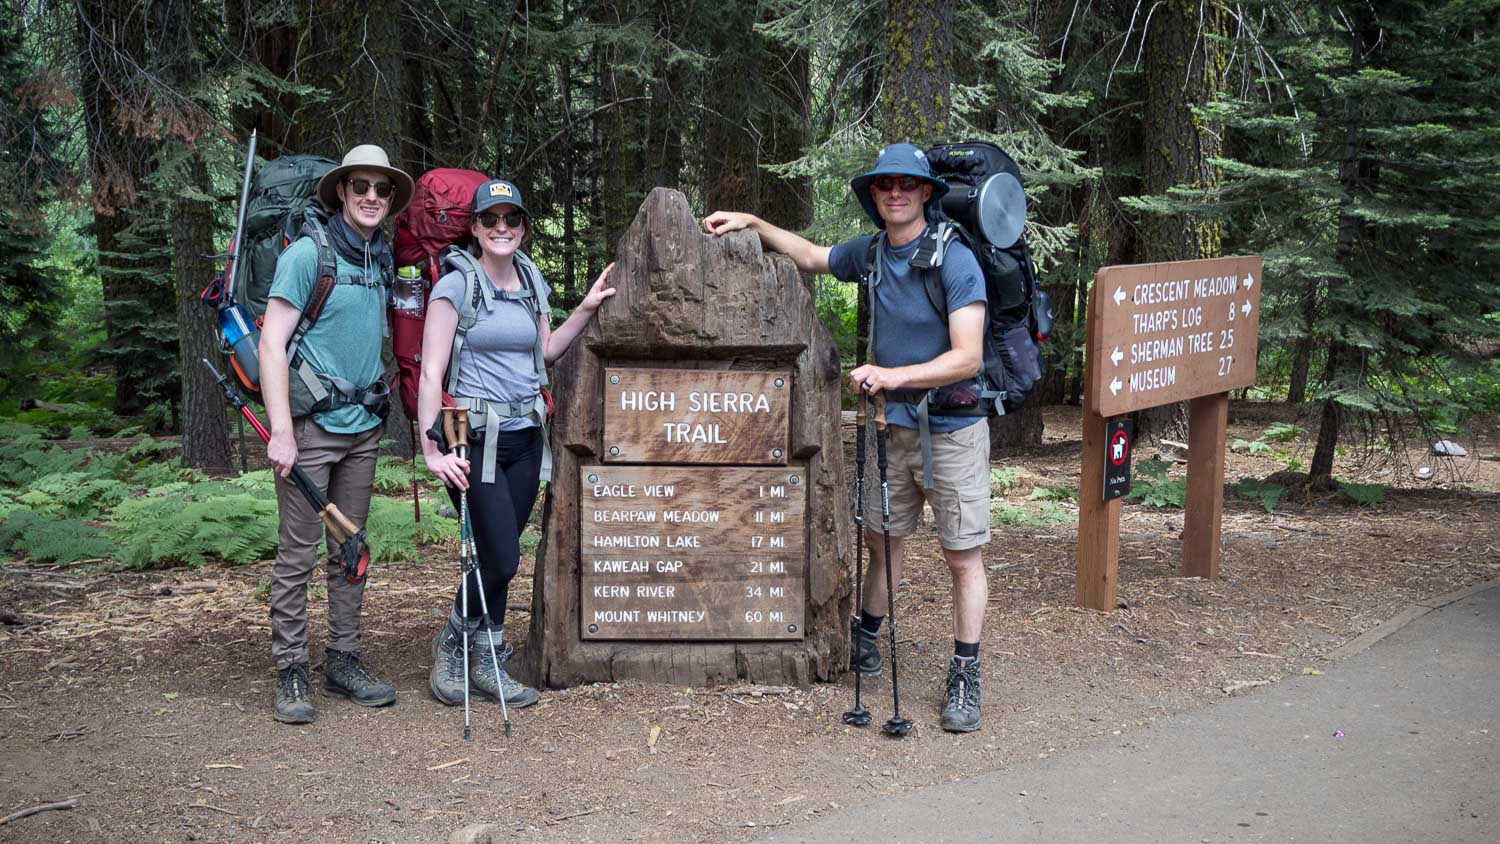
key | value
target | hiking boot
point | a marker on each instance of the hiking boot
(482, 670)
(344, 675)
(447, 675)
(961, 713)
(294, 695)
(864, 651)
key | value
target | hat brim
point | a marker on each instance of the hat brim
(860, 185)
(328, 192)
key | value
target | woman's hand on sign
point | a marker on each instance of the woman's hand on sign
(450, 468)
(282, 451)
(599, 292)
(873, 379)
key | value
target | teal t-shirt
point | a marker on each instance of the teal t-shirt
(346, 341)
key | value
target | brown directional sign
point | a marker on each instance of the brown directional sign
(692, 552)
(696, 416)
(1174, 331)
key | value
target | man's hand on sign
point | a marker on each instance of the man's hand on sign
(724, 222)
(873, 379)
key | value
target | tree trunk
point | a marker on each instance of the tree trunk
(1358, 176)
(1185, 63)
(918, 75)
(205, 429)
(1302, 352)
(788, 201)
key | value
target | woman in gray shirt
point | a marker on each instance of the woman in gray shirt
(497, 374)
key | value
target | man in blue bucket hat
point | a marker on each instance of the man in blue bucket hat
(913, 349)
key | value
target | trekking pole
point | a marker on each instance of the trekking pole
(350, 550)
(456, 429)
(858, 716)
(896, 726)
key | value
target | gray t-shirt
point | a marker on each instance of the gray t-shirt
(908, 330)
(498, 359)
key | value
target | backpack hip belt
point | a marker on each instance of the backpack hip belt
(486, 415)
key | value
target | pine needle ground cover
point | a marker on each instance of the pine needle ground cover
(140, 508)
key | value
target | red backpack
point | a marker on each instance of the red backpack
(436, 218)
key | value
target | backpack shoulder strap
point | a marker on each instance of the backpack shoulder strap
(531, 285)
(475, 295)
(932, 248)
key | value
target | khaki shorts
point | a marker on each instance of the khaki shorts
(960, 498)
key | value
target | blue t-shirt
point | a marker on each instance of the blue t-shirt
(907, 329)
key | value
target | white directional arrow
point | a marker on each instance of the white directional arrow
(1119, 295)
(1117, 356)
(1249, 281)
(1114, 386)
(1245, 309)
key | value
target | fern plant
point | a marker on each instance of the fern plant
(45, 537)
(1262, 493)
(1365, 495)
(193, 523)
(393, 533)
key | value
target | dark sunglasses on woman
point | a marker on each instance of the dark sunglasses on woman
(512, 220)
(906, 183)
(362, 187)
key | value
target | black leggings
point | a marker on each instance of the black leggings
(498, 512)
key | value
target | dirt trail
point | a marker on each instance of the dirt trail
(148, 694)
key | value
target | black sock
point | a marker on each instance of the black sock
(967, 650)
(870, 624)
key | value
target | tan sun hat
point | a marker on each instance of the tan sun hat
(366, 157)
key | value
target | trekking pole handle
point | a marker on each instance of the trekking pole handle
(880, 411)
(336, 522)
(456, 428)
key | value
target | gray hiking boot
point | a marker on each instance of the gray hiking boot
(344, 675)
(447, 675)
(864, 651)
(482, 670)
(961, 713)
(294, 695)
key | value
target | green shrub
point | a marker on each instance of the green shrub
(1262, 493)
(1283, 432)
(1001, 480)
(393, 533)
(1154, 488)
(192, 523)
(1365, 495)
(1053, 493)
(52, 539)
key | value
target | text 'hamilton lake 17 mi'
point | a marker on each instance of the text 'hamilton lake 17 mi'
(1175, 331)
(711, 553)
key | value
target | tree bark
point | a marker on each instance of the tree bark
(918, 73)
(1185, 64)
(205, 429)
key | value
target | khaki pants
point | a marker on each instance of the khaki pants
(344, 466)
(960, 498)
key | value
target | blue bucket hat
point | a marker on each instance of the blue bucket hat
(497, 192)
(896, 160)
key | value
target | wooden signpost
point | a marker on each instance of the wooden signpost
(1157, 334)
(696, 528)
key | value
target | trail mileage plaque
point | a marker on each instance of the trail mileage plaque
(692, 552)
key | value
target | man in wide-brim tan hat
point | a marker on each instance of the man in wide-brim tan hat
(326, 402)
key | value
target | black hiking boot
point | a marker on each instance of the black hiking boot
(482, 671)
(294, 695)
(345, 676)
(961, 713)
(864, 651)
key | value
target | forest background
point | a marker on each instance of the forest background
(1353, 145)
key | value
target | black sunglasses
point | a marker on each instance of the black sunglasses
(906, 183)
(512, 220)
(362, 186)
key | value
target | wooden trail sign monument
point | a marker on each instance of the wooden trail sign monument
(1157, 334)
(696, 526)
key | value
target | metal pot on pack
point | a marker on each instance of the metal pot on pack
(994, 210)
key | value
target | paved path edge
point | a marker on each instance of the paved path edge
(1414, 611)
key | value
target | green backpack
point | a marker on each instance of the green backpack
(279, 194)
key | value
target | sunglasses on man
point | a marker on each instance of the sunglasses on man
(360, 187)
(512, 220)
(888, 183)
